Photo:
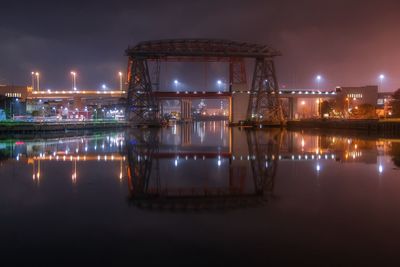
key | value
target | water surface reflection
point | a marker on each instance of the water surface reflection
(204, 189)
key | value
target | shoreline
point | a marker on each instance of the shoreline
(50, 127)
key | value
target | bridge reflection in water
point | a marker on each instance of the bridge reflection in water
(150, 187)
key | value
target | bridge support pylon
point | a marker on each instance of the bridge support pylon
(141, 106)
(264, 103)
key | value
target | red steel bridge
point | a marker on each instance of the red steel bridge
(261, 103)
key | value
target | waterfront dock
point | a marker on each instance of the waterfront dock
(389, 126)
(35, 127)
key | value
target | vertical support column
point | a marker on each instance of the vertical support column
(264, 102)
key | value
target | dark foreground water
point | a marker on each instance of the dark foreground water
(200, 194)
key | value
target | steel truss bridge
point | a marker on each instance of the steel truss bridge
(143, 80)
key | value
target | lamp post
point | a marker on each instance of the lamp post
(381, 78)
(33, 80)
(38, 80)
(120, 80)
(219, 82)
(303, 103)
(318, 79)
(176, 84)
(73, 73)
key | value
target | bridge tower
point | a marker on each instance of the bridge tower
(141, 106)
(264, 103)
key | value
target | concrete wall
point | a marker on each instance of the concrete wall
(239, 105)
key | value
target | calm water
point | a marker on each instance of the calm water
(202, 193)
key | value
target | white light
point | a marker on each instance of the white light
(219, 162)
(176, 163)
(176, 82)
(381, 76)
(318, 168)
(219, 82)
(104, 86)
(319, 77)
(380, 168)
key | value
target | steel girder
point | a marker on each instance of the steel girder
(264, 103)
(141, 105)
(237, 71)
(264, 155)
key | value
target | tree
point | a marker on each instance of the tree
(395, 102)
(327, 107)
(364, 111)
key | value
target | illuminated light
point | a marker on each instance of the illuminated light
(318, 167)
(306, 157)
(70, 158)
(112, 157)
(219, 162)
(312, 156)
(98, 157)
(120, 175)
(266, 164)
(319, 156)
(57, 158)
(176, 163)
(86, 148)
(380, 169)
(105, 157)
(204, 157)
(333, 156)
(292, 157)
(299, 156)
(194, 157)
(64, 158)
(78, 158)
(233, 157)
(280, 157)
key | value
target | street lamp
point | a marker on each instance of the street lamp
(176, 85)
(33, 80)
(381, 78)
(73, 73)
(120, 80)
(303, 103)
(104, 86)
(38, 80)
(318, 79)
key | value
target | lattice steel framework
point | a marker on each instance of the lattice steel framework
(264, 103)
(264, 155)
(140, 149)
(142, 106)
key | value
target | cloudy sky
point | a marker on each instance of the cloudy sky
(347, 42)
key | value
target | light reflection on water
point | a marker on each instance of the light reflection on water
(328, 185)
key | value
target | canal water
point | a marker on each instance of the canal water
(200, 193)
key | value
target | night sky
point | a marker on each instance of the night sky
(347, 42)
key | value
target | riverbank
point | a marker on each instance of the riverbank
(48, 127)
(389, 127)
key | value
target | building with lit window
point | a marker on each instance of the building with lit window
(351, 97)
